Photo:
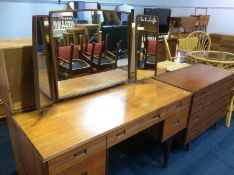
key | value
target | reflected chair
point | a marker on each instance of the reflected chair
(76, 32)
(67, 38)
(150, 55)
(105, 59)
(99, 56)
(69, 63)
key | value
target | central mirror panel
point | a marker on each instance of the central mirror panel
(146, 52)
(90, 50)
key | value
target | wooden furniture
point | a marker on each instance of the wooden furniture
(218, 59)
(70, 64)
(172, 63)
(198, 41)
(222, 42)
(89, 28)
(187, 23)
(212, 90)
(202, 19)
(16, 60)
(73, 137)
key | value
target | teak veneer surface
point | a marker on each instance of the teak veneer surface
(69, 124)
(194, 78)
(15, 43)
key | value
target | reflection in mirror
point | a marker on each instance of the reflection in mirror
(42, 61)
(90, 50)
(146, 38)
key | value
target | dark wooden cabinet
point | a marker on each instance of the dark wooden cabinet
(212, 90)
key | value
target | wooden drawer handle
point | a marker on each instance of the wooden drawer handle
(80, 154)
(176, 123)
(84, 173)
(120, 135)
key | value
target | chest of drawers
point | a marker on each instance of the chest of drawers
(211, 88)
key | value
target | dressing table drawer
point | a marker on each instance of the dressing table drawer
(179, 106)
(77, 155)
(175, 122)
(123, 133)
(95, 165)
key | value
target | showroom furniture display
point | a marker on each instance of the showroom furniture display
(86, 135)
(222, 42)
(70, 63)
(172, 63)
(17, 67)
(202, 18)
(218, 59)
(212, 90)
(163, 16)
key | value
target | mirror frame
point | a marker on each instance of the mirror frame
(53, 50)
(136, 44)
(35, 63)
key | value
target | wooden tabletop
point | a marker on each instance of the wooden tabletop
(72, 123)
(194, 78)
(15, 43)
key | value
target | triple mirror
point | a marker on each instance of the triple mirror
(146, 47)
(90, 51)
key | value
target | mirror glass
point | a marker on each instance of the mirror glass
(90, 50)
(146, 38)
(42, 61)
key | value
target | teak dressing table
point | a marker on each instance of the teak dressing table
(73, 137)
(212, 90)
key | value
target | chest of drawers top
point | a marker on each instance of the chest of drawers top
(69, 124)
(196, 77)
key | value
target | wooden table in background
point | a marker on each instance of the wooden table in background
(212, 90)
(73, 137)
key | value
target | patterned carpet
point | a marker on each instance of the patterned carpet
(211, 154)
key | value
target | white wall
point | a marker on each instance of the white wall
(16, 17)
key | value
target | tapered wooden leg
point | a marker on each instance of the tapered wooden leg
(188, 145)
(107, 161)
(167, 150)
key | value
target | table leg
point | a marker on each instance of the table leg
(167, 150)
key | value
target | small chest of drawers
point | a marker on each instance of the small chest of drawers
(211, 88)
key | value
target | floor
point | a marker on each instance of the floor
(211, 154)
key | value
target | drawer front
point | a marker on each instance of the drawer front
(128, 131)
(175, 122)
(76, 156)
(179, 106)
(203, 125)
(152, 119)
(95, 165)
(208, 110)
(209, 91)
(123, 133)
(216, 94)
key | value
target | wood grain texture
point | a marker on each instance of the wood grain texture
(69, 124)
(90, 83)
(17, 54)
(15, 43)
(194, 78)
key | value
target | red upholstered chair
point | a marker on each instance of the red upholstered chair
(70, 64)
(150, 55)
